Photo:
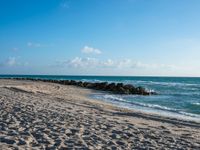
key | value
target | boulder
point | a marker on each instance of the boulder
(119, 84)
(102, 85)
(85, 84)
(89, 85)
(80, 83)
(111, 87)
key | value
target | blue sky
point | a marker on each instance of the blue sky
(100, 37)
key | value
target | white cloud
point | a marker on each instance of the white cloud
(129, 64)
(125, 63)
(94, 66)
(90, 50)
(15, 49)
(78, 62)
(38, 45)
(31, 44)
(11, 61)
(108, 63)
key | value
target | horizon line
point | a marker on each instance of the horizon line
(101, 75)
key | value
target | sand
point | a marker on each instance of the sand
(39, 115)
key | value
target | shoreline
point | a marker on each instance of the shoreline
(35, 105)
(151, 111)
(150, 115)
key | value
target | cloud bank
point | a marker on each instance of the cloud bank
(88, 62)
(90, 50)
(36, 45)
(31, 44)
(97, 66)
(12, 62)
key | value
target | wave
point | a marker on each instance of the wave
(191, 94)
(174, 84)
(91, 80)
(198, 104)
(120, 100)
(189, 114)
(109, 97)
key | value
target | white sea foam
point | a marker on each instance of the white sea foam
(163, 83)
(198, 104)
(120, 100)
(114, 97)
(90, 80)
(189, 114)
(110, 97)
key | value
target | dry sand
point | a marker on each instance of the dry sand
(38, 115)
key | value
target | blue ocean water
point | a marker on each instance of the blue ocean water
(176, 95)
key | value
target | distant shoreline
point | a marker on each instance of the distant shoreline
(140, 76)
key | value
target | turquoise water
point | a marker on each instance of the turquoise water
(176, 95)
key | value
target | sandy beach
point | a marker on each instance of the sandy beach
(41, 115)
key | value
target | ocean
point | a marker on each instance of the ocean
(177, 96)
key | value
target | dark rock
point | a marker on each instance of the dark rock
(66, 82)
(74, 130)
(12, 133)
(120, 85)
(73, 82)
(129, 86)
(117, 132)
(21, 142)
(89, 85)
(7, 140)
(116, 136)
(114, 148)
(61, 81)
(110, 86)
(141, 90)
(102, 85)
(85, 84)
(80, 84)
(129, 134)
(120, 143)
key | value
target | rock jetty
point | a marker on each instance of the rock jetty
(116, 88)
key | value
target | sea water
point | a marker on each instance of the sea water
(177, 96)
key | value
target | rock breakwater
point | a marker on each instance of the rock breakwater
(117, 88)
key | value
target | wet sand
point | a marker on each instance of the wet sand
(41, 115)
